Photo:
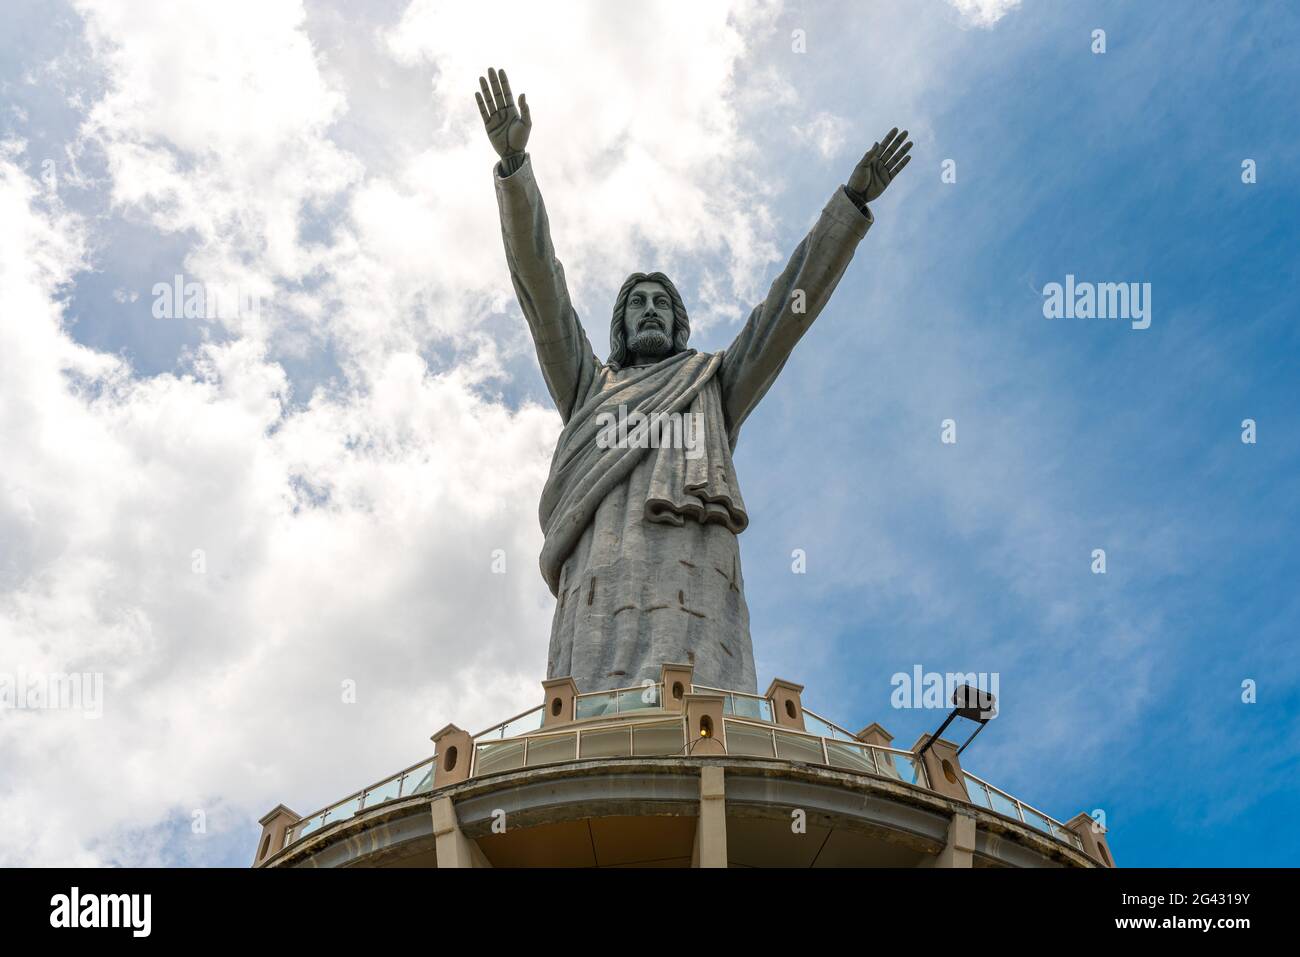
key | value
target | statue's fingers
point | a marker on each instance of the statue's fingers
(482, 108)
(869, 156)
(894, 171)
(495, 79)
(487, 95)
(505, 88)
(889, 153)
(888, 140)
(893, 160)
(524, 111)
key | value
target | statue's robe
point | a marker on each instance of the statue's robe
(641, 549)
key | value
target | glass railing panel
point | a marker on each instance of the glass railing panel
(817, 726)
(901, 767)
(523, 724)
(1003, 804)
(343, 810)
(493, 756)
(1036, 820)
(1066, 835)
(823, 728)
(418, 780)
(850, 757)
(638, 699)
(756, 709)
(797, 747)
(595, 705)
(382, 792)
(755, 742)
(667, 737)
(605, 743)
(303, 828)
(552, 748)
(885, 766)
(979, 794)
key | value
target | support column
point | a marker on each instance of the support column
(454, 849)
(704, 728)
(676, 680)
(787, 703)
(274, 823)
(1093, 836)
(453, 749)
(711, 828)
(943, 768)
(559, 695)
(960, 849)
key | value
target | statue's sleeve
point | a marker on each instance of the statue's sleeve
(568, 363)
(797, 296)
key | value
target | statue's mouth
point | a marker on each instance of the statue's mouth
(655, 322)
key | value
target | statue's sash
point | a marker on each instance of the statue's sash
(702, 488)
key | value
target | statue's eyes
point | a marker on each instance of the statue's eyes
(661, 301)
(638, 300)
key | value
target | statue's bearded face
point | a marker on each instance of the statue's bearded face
(648, 321)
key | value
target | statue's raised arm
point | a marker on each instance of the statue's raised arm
(567, 361)
(803, 288)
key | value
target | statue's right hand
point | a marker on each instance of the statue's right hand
(506, 127)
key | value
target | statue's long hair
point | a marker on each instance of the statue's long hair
(618, 351)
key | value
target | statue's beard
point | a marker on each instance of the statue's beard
(651, 343)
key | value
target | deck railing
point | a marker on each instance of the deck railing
(748, 729)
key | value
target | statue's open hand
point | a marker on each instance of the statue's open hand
(882, 163)
(507, 127)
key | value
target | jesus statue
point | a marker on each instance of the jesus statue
(640, 543)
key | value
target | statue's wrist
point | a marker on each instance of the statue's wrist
(510, 162)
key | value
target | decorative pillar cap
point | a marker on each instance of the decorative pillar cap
(703, 698)
(780, 684)
(874, 730)
(550, 683)
(278, 811)
(450, 729)
(920, 742)
(1083, 818)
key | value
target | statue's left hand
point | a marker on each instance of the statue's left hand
(507, 126)
(882, 163)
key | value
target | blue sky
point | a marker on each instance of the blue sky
(349, 458)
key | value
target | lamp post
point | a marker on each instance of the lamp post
(970, 703)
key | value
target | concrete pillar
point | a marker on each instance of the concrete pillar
(274, 823)
(453, 848)
(960, 849)
(1093, 836)
(676, 677)
(559, 697)
(453, 749)
(704, 728)
(875, 734)
(942, 768)
(787, 703)
(711, 828)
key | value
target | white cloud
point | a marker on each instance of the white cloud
(826, 132)
(336, 542)
(984, 13)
